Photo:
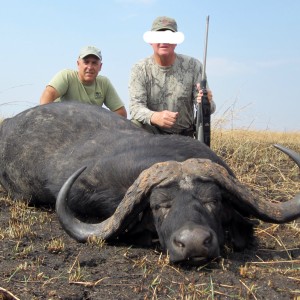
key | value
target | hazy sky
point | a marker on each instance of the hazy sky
(253, 60)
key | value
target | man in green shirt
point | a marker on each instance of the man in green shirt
(84, 85)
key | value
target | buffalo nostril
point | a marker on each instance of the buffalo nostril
(207, 242)
(178, 243)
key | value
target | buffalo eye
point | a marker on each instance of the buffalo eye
(156, 207)
(160, 199)
(211, 206)
(161, 206)
(161, 210)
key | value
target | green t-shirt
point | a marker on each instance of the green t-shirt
(70, 88)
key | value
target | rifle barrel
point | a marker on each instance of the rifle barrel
(199, 120)
(205, 48)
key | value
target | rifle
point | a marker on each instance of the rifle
(203, 108)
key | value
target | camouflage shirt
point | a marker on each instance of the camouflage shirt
(156, 88)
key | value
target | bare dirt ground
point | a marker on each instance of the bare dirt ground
(38, 260)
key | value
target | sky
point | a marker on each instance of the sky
(253, 51)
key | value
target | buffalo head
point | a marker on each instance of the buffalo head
(193, 204)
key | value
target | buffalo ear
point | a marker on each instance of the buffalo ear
(241, 231)
(238, 228)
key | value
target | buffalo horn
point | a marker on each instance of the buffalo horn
(134, 202)
(292, 154)
(242, 198)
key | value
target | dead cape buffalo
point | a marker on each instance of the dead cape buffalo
(96, 165)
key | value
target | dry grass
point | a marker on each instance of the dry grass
(257, 163)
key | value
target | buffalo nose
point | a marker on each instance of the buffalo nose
(190, 239)
(193, 242)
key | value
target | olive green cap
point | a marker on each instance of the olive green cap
(90, 50)
(164, 23)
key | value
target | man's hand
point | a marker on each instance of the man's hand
(164, 119)
(200, 95)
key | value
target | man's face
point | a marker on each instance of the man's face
(164, 49)
(88, 68)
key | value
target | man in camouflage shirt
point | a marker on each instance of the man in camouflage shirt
(165, 87)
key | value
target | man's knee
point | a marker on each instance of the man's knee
(137, 123)
(147, 127)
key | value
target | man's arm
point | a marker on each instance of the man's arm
(138, 108)
(121, 111)
(49, 95)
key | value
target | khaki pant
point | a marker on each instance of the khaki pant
(147, 127)
(155, 130)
